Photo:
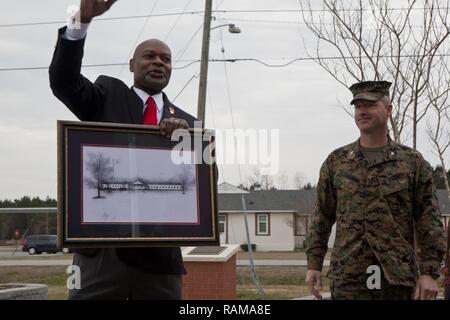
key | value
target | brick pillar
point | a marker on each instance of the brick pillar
(210, 280)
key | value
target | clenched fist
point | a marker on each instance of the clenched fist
(169, 125)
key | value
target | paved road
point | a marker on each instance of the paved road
(12, 252)
(19, 253)
(48, 262)
(36, 260)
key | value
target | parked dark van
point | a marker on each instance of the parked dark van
(36, 244)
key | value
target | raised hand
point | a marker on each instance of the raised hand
(93, 8)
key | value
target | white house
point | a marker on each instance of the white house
(277, 219)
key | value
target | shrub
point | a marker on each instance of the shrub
(244, 247)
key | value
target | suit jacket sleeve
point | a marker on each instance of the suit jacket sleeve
(80, 95)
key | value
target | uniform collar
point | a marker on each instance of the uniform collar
(389, 152)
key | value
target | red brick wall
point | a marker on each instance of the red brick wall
(210, 280)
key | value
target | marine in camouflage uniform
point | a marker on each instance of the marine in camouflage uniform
(377, 198)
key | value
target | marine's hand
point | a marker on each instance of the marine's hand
(93, 8)
(169, 125)
(426, 288)
(314, 283)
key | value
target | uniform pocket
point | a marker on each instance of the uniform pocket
(397, 194)
(397, 197)
(395, 186)
(346, 183)
(347, 187)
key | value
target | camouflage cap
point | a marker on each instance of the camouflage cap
(370, 90)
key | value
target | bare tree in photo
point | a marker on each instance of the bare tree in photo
(258, 181)
(439, 132)
(100, 170)
(298, 180)
(283, 181)
(186, 177)
(378, 40)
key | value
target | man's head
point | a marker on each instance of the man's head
(372, 105)
(152, 66)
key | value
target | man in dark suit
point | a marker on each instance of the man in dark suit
(126, 273)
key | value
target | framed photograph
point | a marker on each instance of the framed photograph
(129, 186)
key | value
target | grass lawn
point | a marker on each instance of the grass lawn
(279, 283)
(42, 256)
(54, 277)
(298, 254)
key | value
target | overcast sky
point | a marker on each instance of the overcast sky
(300, 99)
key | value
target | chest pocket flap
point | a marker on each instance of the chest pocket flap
(395, 185)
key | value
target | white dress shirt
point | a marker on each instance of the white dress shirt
(158, 100)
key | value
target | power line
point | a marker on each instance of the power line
(323, 10)
(314, 59)
(101, 19)
(92, 66)
(195, 76)
(139, 35)
(232, 60)
(182, 51)
(299, 22)
(200, 12)
(176, 22)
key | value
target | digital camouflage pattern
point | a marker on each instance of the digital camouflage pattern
(376, 205)
(370, 90)
(343, 290)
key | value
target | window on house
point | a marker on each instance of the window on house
(222, 222)
(301, 225)
(262, 224)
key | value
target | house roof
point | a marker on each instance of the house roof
(444, 203)
(226, 187)
(269, 200)
(301, 201)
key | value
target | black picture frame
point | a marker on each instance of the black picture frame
(117, 187)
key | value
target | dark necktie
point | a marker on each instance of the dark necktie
(150, 114)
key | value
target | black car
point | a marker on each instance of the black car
(36, 244)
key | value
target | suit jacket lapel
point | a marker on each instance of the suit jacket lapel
(135, 107)
(169, 110)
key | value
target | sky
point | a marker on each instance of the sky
(299, 100)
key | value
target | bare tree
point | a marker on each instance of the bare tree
(258, 181)
(439, 132)
(186, 177)
(370, 40)
(100, 171)
(299, 180)
(283, 181)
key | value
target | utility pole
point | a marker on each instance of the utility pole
(204, 61)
